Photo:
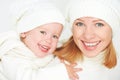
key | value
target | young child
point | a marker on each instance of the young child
(27, 53)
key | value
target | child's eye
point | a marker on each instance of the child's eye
(99, 24)
(43, 32)
(79, 24)
(55, 36)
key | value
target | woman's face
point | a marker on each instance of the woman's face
(91, 35)
(43, 40)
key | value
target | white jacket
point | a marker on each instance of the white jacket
(19, 63)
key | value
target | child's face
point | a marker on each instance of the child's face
(91, 35)
(43, 39)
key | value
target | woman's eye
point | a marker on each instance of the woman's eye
(99, 24)
(79, 24)
(55, 36)
(43, 32)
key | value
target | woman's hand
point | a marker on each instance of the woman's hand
(72, 71)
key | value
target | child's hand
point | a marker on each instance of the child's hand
(72, 71)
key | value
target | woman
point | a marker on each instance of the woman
(95, 27)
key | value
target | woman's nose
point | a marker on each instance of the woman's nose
(89, 33)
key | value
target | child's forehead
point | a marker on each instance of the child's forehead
(52, 24)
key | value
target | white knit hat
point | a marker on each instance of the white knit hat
(30, 14)
(107, 10)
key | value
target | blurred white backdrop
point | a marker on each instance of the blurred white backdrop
(4, 16)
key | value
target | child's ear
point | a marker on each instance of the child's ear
(23, 35)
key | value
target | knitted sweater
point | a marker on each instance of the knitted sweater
(93, 69)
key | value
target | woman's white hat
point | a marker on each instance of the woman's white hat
(107, 10)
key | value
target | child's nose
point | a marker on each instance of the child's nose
(48, 39)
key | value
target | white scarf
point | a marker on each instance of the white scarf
(11, 41)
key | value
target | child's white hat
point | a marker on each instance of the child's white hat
(30, 14)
